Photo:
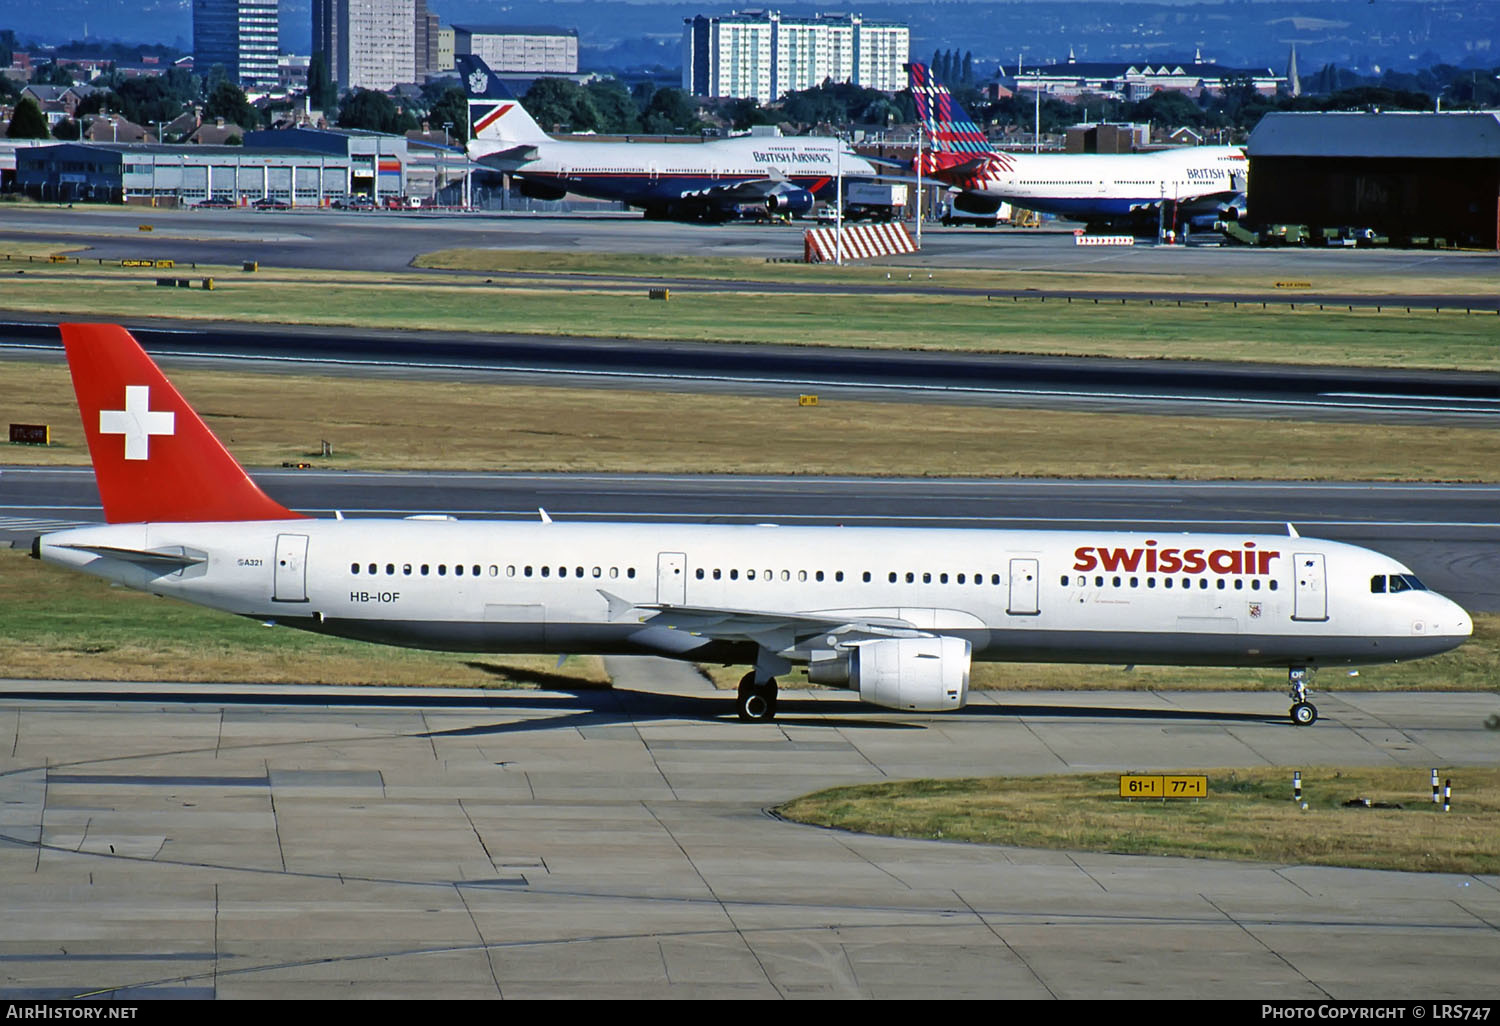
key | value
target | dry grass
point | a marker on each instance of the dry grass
(266, 419)
(1248, 815)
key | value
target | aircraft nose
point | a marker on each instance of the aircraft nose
(1453, 621)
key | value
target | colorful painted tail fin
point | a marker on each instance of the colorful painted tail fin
(154, 459)
(495, 115)
(949, 127)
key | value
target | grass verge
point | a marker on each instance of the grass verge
(736, 313)
(378, 423)
(1249, 815)
(62, 625)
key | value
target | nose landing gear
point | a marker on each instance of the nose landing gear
(1303, 712)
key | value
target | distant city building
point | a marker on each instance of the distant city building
(369, 44)
(763, 55)
(445, 48)
(533, 49)
(426, 29)
(1136, 81)
(241, 35)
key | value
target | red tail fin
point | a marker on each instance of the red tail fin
(154, 459)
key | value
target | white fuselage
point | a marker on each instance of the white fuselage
(1107, 185)
(1013, 595)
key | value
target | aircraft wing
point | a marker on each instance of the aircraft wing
(683, 628)
(509, 159)
(750, 190)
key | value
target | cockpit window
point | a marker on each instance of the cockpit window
(1381, 584)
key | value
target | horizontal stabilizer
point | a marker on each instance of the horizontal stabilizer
(149, 558)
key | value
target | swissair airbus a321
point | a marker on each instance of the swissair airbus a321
(894, 614)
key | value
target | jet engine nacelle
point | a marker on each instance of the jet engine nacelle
(790, 201)
(913, 674)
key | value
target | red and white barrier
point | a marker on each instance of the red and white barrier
(1104, 240)
(861, 242)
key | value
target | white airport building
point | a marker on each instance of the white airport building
(762, 55)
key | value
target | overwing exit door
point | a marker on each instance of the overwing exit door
(671, 578)
(1023, 588)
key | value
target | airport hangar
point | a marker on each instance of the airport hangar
(301, 166)
(1405, 175)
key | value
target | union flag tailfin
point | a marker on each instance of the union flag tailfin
(948, 125)
(154, 459)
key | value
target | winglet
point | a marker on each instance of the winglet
(154, 459)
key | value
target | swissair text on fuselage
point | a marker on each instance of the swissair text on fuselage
(1151, 560)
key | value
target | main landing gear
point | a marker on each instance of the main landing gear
(1303, 712)
(757, 701)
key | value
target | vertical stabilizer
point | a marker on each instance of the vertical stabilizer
(154, 459)
(495, 115)
(949, 127)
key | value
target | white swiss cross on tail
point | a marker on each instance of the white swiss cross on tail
(137, 422)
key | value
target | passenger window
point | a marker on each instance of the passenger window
(424, 569)
(406, 569)
(717, 573)
(442, 569)
(546, 571)
(354, 568)
(630, 572)
(372, 568)
(476, 570)
(749, 575)
(698, 573)
(458, 569)
(390, 569)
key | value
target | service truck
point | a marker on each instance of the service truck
(874, 201)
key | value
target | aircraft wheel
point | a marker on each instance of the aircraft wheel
(1304, 714)
(756, 702)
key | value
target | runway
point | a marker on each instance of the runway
(1447, 533)
(258, 842)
